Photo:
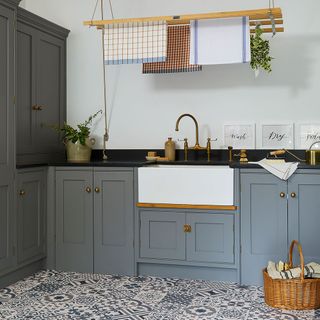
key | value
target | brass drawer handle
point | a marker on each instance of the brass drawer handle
(293, 195)
(36, 107)
(187, 228)
(282, 194)
(97, 190)
(88, 189)
(22, 193)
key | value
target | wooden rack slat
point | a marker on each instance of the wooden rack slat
(258, 14)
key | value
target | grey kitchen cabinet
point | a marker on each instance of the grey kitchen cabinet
(161, 235)
(74, 221)
(273, 213)
(187, 236)
(304, 213)
(7, 145)
(113, 222)
(94, 220)
(212, 238)
(31, 231)
(41, 87)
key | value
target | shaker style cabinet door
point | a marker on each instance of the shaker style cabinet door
(113, 222)
(74, 221)
(211, 238)
(31, 214)
(7, 209)
(41, 87)
(263, 224)
(304, 213)
(162, 235)
(50, 95)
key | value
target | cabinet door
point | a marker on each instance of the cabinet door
(304, 213)
(74, 221)
(50, 93)
(113, 223)
(263, 224)
(31, 215)
(211, 238)
(7, 209)
(162, 235)
(26, 99)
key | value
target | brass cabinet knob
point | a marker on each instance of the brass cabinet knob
(22, 193)
(97, 190)
(293, 195)
(88, 189)
(282, 194)
(36, 107)
(187, 228)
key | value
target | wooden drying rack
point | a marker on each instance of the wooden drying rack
(263, 17)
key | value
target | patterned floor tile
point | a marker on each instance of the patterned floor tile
(61, 296)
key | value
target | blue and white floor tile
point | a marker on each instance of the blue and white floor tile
(61, 296)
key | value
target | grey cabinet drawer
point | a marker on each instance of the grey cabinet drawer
(211, 238)
(161, 235)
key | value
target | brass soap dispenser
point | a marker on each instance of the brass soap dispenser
(170, 149)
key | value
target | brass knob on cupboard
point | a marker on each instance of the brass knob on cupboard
(293, 195)
(187, 228)
(282, 194)
(22, 193)
(88, 189)
(97, 190)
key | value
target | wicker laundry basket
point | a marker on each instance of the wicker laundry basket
(292, 294)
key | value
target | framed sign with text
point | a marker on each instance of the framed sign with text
(307, 134)
(240, 136)
(277, 136)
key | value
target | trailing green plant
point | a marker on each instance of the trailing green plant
(80, 133)
(260, 52)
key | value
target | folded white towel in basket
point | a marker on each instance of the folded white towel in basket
(282, 170)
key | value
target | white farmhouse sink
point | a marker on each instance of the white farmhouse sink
(193, 185)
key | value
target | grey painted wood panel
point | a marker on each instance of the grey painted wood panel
(113, 223)
(74, 221)
(26, 87)
(304, 214)
(263, 224)
(211, 238)
(49, 92)
(162, 235)
(7, 146)
(41, 65)
(31, 215)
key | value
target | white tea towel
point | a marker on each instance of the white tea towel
(140, 42)
(220, 41)
(281, 170)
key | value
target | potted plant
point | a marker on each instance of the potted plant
(77, 139)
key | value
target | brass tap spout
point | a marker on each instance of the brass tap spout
(197, 145)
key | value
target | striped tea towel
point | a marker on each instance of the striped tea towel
(311, 270)
(130, 43)
(178, 59)
(220, 41)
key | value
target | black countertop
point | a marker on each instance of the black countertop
(136, 158)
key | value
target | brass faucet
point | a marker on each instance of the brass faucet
(197, 145)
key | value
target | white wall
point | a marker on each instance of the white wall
(144, 108)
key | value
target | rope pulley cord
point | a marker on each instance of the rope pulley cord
(106, 133)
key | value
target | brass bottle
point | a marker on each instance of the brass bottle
(170, 149)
